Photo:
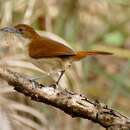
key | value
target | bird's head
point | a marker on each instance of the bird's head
(23, 30)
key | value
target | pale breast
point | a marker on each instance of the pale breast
(51, 65)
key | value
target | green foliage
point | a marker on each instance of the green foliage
(114, 38)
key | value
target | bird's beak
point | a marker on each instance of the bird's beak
(10, 30)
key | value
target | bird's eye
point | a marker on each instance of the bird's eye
(20, 29)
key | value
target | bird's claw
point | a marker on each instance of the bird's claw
(54, 85)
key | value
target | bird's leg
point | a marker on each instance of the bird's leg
(33, 81)
(61, 74)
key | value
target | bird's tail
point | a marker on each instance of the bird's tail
(82, 54)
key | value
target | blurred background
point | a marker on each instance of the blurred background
(85, 24)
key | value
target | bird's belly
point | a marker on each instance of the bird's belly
(51, 65)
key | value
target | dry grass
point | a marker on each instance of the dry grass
(85, 24)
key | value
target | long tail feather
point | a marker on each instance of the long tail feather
(82, 54)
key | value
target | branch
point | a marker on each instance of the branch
(74, 104)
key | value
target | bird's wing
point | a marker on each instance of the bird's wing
(45, 47)
(54, 37)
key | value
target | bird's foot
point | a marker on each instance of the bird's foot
(34, 83)
(54, 85)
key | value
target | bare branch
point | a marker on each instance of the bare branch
(74, 104)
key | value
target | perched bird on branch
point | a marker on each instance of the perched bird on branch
(48, 54)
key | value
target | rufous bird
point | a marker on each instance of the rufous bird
(48, 54)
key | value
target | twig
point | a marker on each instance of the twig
(74, 104)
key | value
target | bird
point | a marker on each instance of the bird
(49, 55)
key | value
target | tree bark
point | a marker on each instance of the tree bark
(74, 104)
